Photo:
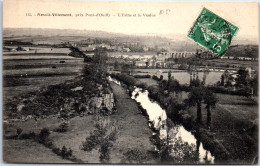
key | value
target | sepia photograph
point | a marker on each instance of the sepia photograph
(130, 82)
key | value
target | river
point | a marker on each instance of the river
(158, 117)
(157, 120)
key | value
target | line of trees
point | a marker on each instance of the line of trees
(199, 94)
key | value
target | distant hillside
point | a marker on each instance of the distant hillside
(243, 51)
(36, 34)
(172, 42)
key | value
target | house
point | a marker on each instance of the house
(135, 57)
(13, 50)
(87, 49)
(141, 64)
(151, 63)
(145, 49)
(126, 49)
(160, 64)
(125, 56)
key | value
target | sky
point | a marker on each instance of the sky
(168, 17)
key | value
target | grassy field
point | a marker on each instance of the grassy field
(235, 124)
(148, 81)
(182, 76)
(25, 73)
(78, 130)
(27, 151)
(39, 50)
(133, 133)
(231, 63)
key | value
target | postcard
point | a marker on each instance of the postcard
(130, 82)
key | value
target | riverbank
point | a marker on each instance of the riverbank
(225, 147)
(133, 127)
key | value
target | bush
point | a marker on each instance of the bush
(134, 156)
(19, 131)
(103, 136)
(29, 135)
(105, 152)
(63, 127)
(44, 135)
(65, 154)
(153, 92)
(56, 151)
(156, 78)
(126, 79)
(142, 85)
(142, 76)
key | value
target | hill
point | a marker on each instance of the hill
(250, 51)
(174, 42)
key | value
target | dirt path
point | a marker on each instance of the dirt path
(133, 127)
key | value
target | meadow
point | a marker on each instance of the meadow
(25, 73)
(181, 75)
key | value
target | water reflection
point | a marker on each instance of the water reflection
(113, 80)
(158, 117)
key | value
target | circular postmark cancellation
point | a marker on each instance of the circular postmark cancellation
(212, 32)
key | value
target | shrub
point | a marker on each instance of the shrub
(56, 151)
(19, 131)
(65, 154)
(63, 127)
(126, 79)
(43, 136)
(142, 76)
(103, 136)
(142, 85)
(29, 135)
(105, 152)
(134, 156)
(155, 78)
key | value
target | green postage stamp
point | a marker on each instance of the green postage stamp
(212, 32)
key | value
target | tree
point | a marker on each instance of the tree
(75, 52)
(242, 76)
(195, 97)
(161, 78)
(103, 136)
(100, 58)
(127, 69)
(210, 100)
(43, 136)
(222, 82)
(173, 150)
(169, 75)
(230, 79)
(134, 156)
(226, 79)
(253, 83)
(116, 65)
(174, 86)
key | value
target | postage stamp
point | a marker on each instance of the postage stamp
(212, 32)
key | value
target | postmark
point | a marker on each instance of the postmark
(212, 32)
